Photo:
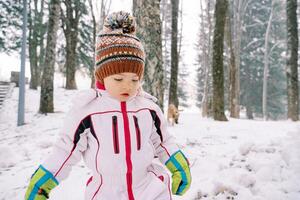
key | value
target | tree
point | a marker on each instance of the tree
(166, 15)
(147, 13)
(89, 46)
(85, 50)
(217, 65)
(183, 71)
(234, 88)
(70, 23)
(10, 26)
(173, 96)
(238, 10)
(292, 60)
(36, 41)
(277, 99)
(91, 69)
(46, 100)
(204, 48)
(266, 63)
(254, 25)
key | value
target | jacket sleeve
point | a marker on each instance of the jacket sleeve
(70, 145)
(163, 141)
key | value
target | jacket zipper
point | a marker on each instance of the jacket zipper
(138, 132)
(115, 134)
(127, 151)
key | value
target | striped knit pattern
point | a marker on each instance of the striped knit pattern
(117, 53)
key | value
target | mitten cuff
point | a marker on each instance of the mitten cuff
(41, 183)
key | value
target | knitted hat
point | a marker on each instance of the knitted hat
(118, 49)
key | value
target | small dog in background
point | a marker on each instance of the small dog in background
(173, 114)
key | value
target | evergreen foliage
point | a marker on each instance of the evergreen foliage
(10, 25)
(252, 63)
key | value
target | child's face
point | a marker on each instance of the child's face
(122, 86)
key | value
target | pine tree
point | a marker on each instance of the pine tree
(86, 44)
(276, 98)
(254, 28)
(252, 43)
(10, 26)
(266, 62)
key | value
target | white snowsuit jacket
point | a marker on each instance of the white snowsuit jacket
(118, 142)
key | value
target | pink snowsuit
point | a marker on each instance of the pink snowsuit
(118, 141)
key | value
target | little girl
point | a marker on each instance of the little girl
(117, 129)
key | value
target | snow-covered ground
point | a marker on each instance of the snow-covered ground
(239, 159)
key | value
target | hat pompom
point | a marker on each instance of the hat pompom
(120, 21)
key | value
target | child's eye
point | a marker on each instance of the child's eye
(118, 79)
(135, 80)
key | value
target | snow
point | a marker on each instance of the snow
(11, 63)
(240, 159)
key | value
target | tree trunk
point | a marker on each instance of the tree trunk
(71, 22)
(206, 101)
(249, 97)
(166, 37)
(91, 70)
(238, 13)
(204, 104)
(292, 60)
(173, 98)
(249, 112)
(233, 77)
(266, 64)
(218, 74)
(147, 13)
(33, 39)
(102, 13)
(46, 100)
(71, 64)
(41, 34)
(41, 61)
(36, 42)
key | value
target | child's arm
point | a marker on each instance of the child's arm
(66, 152)
(169, 154)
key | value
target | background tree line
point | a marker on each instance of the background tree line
(247, 51)
(260, 59)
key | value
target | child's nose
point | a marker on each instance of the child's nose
(127, 86)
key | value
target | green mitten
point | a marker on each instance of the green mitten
(181, 176)
(41, 183)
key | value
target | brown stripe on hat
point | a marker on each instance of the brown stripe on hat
(118, 49)
(120, 66)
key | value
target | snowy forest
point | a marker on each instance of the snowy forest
(230, 67)
(247, 63)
